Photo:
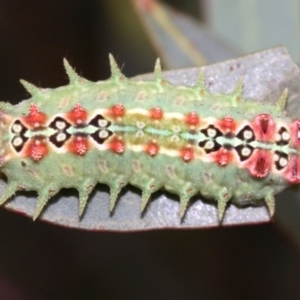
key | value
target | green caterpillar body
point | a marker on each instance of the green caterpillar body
(152, 135)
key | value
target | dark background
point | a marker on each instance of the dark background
(43, 261)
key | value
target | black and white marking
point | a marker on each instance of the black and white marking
(19, 130)
(61, 136)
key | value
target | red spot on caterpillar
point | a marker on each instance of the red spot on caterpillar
(77, 115)
(223, 157)
(264, 127)
(187, 154)
(117, 146)
(152, 149)
(292, 174)
(79, 145)
(35, 118)
(295, 133)
(227, 124)
(36, 149)
(117, 110)
(156, 113)
(192, 119)
(260, 163)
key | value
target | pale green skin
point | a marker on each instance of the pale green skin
(149, 173)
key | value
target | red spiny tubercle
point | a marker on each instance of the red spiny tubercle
(223, 157)
(187, 154)
(156, 113)
(36, 149)
(35, 118)
(295, 134)
(264, 127)
(227, 125)
(77, 115)
(292, 174)
(117, 146)
(260, 163)
(117, 110)
(192, 119)
(79, 145)
(152, 149)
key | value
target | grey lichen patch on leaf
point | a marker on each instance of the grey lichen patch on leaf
(278, 72)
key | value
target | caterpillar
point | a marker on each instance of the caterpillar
(149, 134)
